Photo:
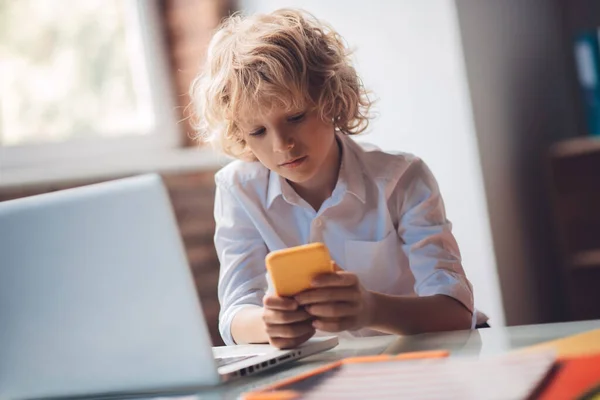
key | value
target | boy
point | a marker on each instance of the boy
(279, 93)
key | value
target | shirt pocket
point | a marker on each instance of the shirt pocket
(376, 263)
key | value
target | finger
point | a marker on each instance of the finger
(327, 295)
(334, 324)
(276, 317)
(290, 331)
(333, 310)
(336, 279)
(282, 343)
(280, 303)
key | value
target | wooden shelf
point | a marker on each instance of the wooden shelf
(575, 147)
(586, 259)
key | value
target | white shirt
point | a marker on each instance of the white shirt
(385, 221)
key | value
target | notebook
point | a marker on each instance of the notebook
(409, 376)
(574, 378)
(577, 374)
(582, 344)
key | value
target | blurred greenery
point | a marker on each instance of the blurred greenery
(66, 70)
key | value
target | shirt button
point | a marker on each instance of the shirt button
(318, 222)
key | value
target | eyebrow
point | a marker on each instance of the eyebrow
(255, 126)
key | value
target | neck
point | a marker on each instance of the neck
(319, 189)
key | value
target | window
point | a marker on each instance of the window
(81, 82)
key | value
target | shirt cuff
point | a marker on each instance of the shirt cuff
(449, 284)
(226, 318)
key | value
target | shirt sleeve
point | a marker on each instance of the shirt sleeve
(241, 252)
(429, 244)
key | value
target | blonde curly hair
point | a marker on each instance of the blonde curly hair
(287, 59)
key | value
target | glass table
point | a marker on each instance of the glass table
(476, 343)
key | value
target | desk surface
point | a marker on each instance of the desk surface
(483, 342)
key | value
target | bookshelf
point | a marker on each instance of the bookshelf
(575, 189)
(575, 179)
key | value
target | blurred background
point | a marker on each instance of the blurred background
(500, 98)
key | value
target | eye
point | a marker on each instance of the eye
(297, 117)
(258, 132)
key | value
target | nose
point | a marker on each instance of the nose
(282, 141)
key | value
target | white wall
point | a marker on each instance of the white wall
(517, 56)
(409, 53)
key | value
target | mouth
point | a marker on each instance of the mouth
(294, 162)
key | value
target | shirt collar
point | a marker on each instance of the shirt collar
(351, 172)
(278, 186)
(274, 189)
(350, 178)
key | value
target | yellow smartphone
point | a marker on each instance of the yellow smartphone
(292, 270)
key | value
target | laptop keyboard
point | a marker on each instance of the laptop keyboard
(221, 362)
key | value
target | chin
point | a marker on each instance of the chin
(297, 176)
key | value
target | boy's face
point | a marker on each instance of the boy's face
(298, 145)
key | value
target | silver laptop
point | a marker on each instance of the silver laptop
(96, 297)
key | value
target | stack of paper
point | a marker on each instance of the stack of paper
(513, 376)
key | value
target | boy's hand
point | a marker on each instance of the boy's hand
(338, 302)
(287, 324)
